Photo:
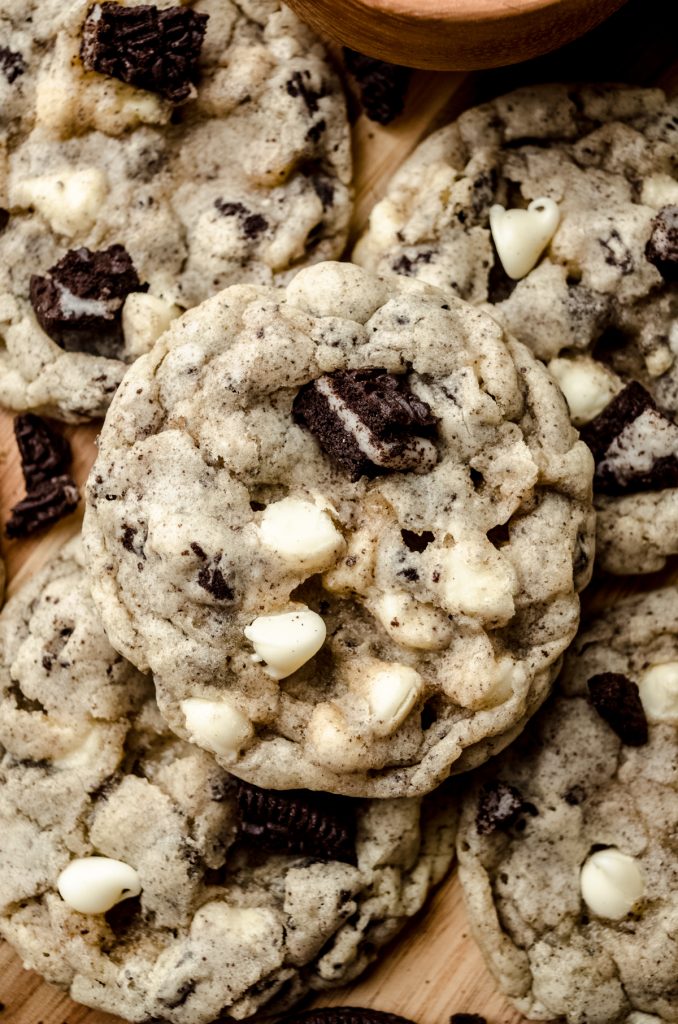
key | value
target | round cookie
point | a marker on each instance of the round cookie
(245, 178)
(593, 276)
(314, 516)
(221, 925)
(567, 846)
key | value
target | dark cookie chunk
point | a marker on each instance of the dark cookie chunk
(634, 444)
(498, 807)
(467, 1018)
(44, 452)
(298, 822)
(45, 504)
(79, 303)
(152, 49)
(617, 701)
(368, 422)
(383, 86)
(345, 1015)
(12, 64)
(253, 224)
(662, 248)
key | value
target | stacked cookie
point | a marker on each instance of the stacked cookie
(337, 528)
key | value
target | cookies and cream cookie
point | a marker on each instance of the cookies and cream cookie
(567, 845)
(345, 524)
(140, 877)
(167, 151)
(558, 206)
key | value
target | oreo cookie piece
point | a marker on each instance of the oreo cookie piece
(12, 64)
(498, 807)
(383, 86)
(79, 302)
(634, 444)
(467, 1018)
(617, 700)
(345, 1015)
(368, 422)
(44, 452)
(662, 247)
(298, 822)
(44, 505)
(152, 49)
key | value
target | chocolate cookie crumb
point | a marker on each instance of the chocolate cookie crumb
(662, 247)
(498, 807)
(12, 64)
(44, 505)
(345, 1015)
(617, 700)
(383, 86)
(467, 1018)
(79, 302)
(152, 49)
(44, 452)
(298, 821)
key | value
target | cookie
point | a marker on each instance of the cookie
(556, 207)
(314, 515)
(167, 152)
(131, 870)
(573, 896)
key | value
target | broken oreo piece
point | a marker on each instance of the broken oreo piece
(298, 822)
(635, 446)
(368, 422)
(383, 86)
(467, 1018)
(79, 302)
(662, 247)
(617, 701)
(148, 48)
(44, 505)
(12, 64)
(345, 1015)
(44, 453)
(498, 807)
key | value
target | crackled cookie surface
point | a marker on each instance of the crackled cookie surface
(568, 846)
(137, 180)
(139, 876)
(558, 206)
(315, 515)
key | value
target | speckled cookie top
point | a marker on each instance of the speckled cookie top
(314, 515)
(244, 174)
(568, 846)
(558, 206)
(215, 920)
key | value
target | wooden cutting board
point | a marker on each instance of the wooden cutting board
(434, 969)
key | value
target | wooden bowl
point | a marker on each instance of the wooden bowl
(454, 34)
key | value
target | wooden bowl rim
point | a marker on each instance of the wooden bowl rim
(459, 10)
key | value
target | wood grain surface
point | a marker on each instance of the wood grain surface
(434, 968)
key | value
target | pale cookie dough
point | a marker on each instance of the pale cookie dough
(606, 158)
(574, 897)
(246, 181)
(362, 637)
(212, 926)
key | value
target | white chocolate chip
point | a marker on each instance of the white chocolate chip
(92, 885)
(144, 318)
(658, 686)
(286, 641)
(478, 580)
(659, 190)
(301, 534)
(522, 235)
(69, 201)
(411, 623)
(587, 385)
(392, 692)
(217, 726)
(611, 883)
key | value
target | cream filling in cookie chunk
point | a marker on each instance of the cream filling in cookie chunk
(93, 885)
(392, 691)
(70, 201)
(658, 686)
(301, 534)
(521, 236)
(478, 580)
(588, 387)
(611, 883)
(286, 641)
(217, 726)
(416, 454)
(144, 318)
(640, 445)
